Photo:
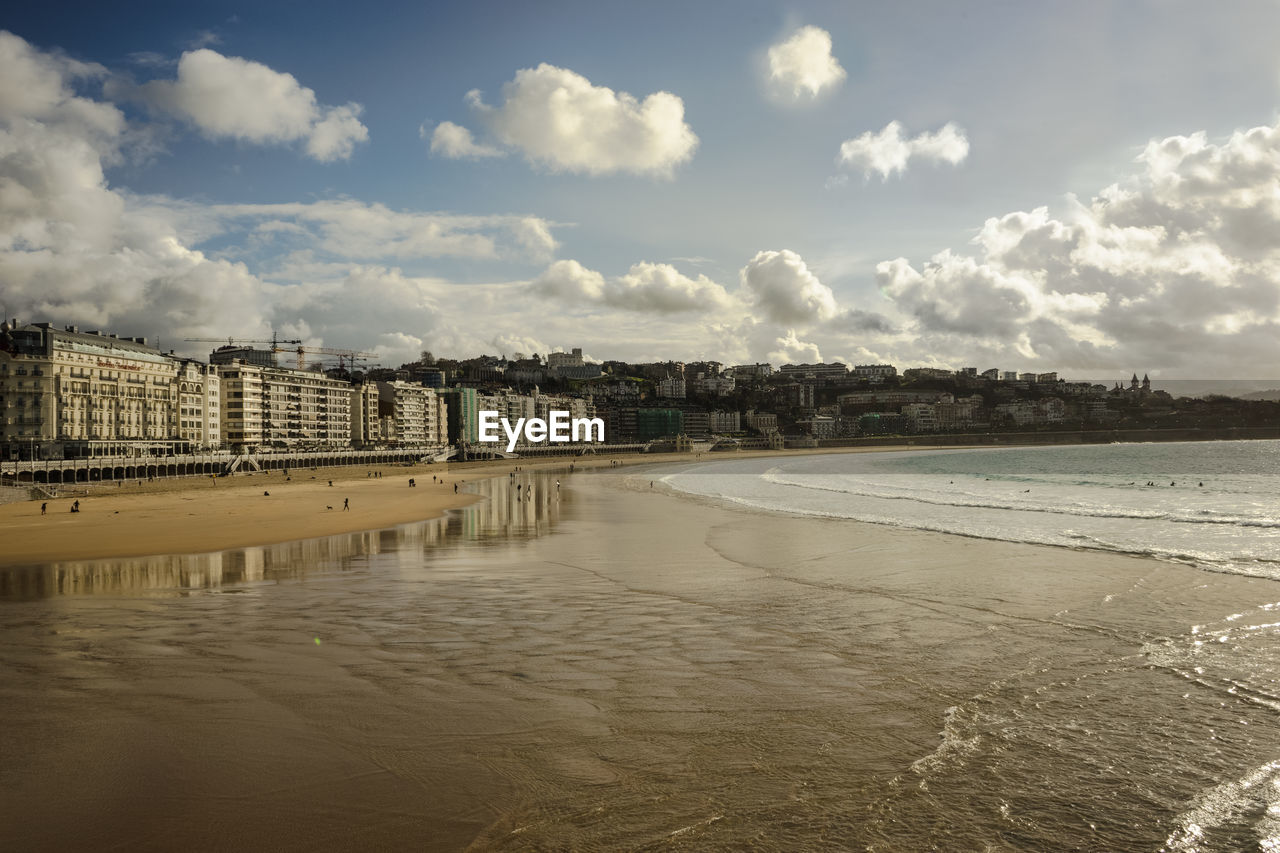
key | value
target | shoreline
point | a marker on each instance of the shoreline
(202, 515)
(199, 515)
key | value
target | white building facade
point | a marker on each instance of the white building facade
(69, 394)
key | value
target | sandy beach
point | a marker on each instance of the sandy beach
(197, 515)
(192, 515)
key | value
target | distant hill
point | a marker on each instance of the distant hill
(1245, 389)
(1273, 394)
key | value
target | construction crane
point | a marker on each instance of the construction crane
(275, 343)
(349, 355)
(298, 348)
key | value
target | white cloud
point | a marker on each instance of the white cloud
(230, 97)
(455, 142)
(367, 301)
(791, 350)
(662, 288)
(523, 344)
(572, 282)
(75, 250)
(534, 234)
(1177, 268)
(785, 291)
(334, 137)
(888, 152)
(802, 66)
(356, 230)
(560, 121)
(70, 248)
(646, 287)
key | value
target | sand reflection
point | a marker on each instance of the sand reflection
(519, 506)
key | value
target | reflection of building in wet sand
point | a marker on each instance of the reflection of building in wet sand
(187, 571)
(511, 506)
(499, 515)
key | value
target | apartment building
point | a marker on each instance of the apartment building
(463, 414)
(920, 417)
(283, 408)
(412, 414)
(719, 421)
(366, 427)
(672, 386)
(874, 371)
(834, 370)
(67, 393)
(199, 404)
(240, 409)
(761, 422)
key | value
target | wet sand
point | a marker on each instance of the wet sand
(199, 515)
(192, 515)
(610, 667)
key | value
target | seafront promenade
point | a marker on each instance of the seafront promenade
(109, 468)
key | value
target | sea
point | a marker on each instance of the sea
(1012, 649)
(1034, 734)
(1214, 505)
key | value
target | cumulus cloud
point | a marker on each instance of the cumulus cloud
(523, 344)
(70, 247)
(231, 97)
(562, 122)
(455, 142)
(791, 350)
(888, 152)
(785, 291)
(802, 66)
(366, 300)
(571, 281)
(1176, 268)
(73, 249)
(854, 320)
(646, 287)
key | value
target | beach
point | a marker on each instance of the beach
(609, 666)
(192, 515)
(189, 515)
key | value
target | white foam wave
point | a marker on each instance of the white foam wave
(1225, 804)
(972, 500)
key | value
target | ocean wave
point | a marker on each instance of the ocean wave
(1228, 804)
(1062, 537)
(879, 491)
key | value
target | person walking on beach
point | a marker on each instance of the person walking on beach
(75, 507)
(455, 488)
(44, 509)
(346, 504)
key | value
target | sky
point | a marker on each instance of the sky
(1091, 188)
